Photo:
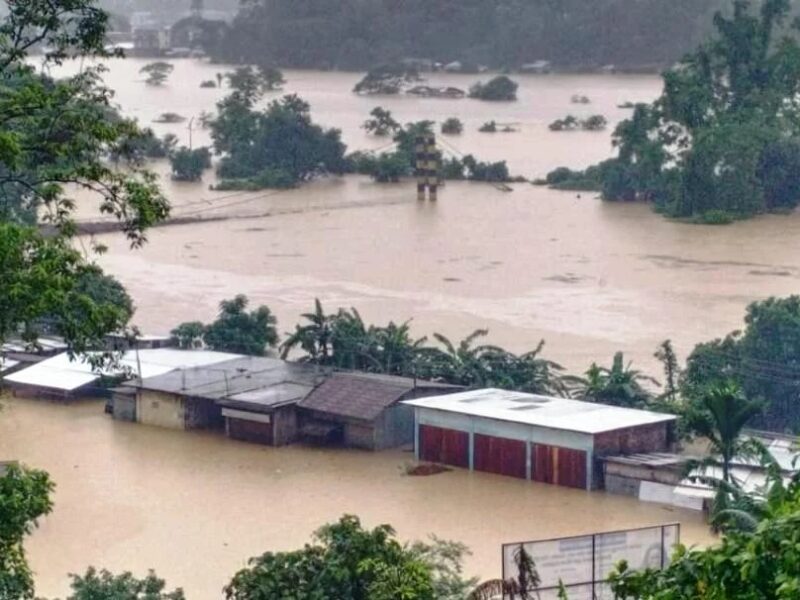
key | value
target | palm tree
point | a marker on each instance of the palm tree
(459, 365)
(619, 385)
(398, 350)
(314, 338)
(720, 416)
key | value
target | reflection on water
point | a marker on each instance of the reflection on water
(197, 506)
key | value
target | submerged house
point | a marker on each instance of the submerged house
(363, 410)
(543, 439)
(251, 398)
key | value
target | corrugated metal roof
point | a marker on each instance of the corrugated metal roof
(62, 373)
(541, 411)
(362, 396)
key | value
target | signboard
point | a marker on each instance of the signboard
(584, 563)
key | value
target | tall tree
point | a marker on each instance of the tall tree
(25, 496)
(238, 331)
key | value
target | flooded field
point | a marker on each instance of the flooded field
(197, 506)
(590, 278)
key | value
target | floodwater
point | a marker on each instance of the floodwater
(589, 277)
(196, 506)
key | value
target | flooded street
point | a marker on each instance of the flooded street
(588, 277)
(197, 506)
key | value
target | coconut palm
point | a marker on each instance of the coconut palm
(314, 338)
(720, 415)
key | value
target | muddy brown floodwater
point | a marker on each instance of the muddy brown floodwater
(196, 506)
(589, 277)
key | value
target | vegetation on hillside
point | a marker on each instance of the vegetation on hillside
(723, 140)
(498, 89)
(355, 35)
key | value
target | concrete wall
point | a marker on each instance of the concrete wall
(395, 427)
(360, 435)
(203, 414)
(124, 407)
(160, 409)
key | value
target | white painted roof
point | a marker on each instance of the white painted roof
(61, 373)
(541, 411)
(7, 363)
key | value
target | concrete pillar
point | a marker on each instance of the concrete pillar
(472, 448)
(589, 470)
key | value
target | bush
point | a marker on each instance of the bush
(499, 89)
(208, 84)
(489, 127)
(188, 165)
(452, 126)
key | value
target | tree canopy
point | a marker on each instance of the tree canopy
(358, 35)
(722, 140)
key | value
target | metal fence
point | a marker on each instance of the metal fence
(584, 563)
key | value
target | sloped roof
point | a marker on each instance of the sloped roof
(362, 396)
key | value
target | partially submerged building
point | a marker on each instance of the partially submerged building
(543, 439)
(252, 398)
(363, 410)
(62, 377)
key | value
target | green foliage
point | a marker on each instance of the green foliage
(354, 35)
(157, 72)
(387, 167)
(762, 564)
(452, 126)
(189, 335)
(25, 496)
(346, 562)
(188, 165)
(720, 143)
(240, 332)
(762, 359)
(499, 89)
(251, 83)
(572, 123)
(382, 123)
(618, 385)
(103, 585)
(388, 79)
(277, 145)
(488, 127)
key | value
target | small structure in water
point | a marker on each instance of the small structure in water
(543, 439)
(427, 161)
(364, 410)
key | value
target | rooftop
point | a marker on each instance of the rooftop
(246, 382)
(362, 396)
(541, 411)
(67, 374)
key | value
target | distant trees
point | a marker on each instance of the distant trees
(452, 126)
(499, 89)
(235, 330)
(388, 79)
(276, 147)
(721, 142)
(188, 165)
(252, 82)
(618, 385)
(382, 123)
(157, 72)
(353, 35)
(571, 123)
(103, 585)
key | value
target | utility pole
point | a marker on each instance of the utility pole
(427, 159)
(191, 130)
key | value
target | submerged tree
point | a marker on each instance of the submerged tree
(240, 332)
(157, 72)
(501, 88)
(188, 165)
(382, 123)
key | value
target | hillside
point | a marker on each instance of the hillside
(572, 34)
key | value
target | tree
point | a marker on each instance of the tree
(314, 338)
(499, 89)
(672, 372)
(189, 335)
(25, 496)
(346, 562)
(763, 359)
(720, 143)
(240, 332)
(279, 143)
(188, 165)
(452, 126)
(382, 123)
(619, 385)
(56, 138)
(720, 416)
(103, 585)
(157, 72)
